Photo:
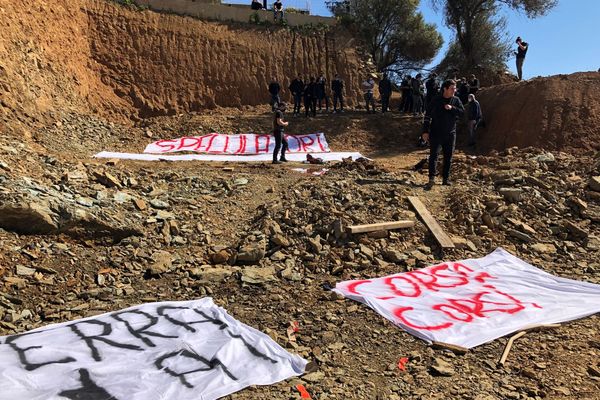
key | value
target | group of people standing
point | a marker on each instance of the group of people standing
(312, 93)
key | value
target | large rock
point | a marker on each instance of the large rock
(251, 253)
(209, 274)
(595, 183)
(28, 218)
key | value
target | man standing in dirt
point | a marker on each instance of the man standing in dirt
(337, 87)
(432, 87)
(296, 88)
(368, 86)
(322, 92)
(473, 117)
(274, 89)
(280, 141)
(521, 52)
(310, 98)
(385, 91)
(439, 129)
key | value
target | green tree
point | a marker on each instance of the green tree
(479, 34)
(395, 34)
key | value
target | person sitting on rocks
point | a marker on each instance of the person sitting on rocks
(277, 9)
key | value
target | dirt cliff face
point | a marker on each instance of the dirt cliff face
(98, 57)
(559, 112)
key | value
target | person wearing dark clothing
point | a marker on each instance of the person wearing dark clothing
(521, 53)
(277, 10)
(310, 97)
(337, 87)
(256, 5)
(322, 92)
(296, 87)
(463, 91)
(280, 141)
(417, 92)
(405, 88)
(274, 89)
(385, 91)
(439, 129)
(473, 84)
(432, 87)
(473, 117)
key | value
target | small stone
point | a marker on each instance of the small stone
(24, 271)
(210, 274)
(159, 204)
(258, 275)
(162, 263)
(394, 256)
(280, 240)
(512, 195)
(544, 248)
(315, 244)
(442, 368)
(140, 204)
(594, 183)
(251, 254)
(240, 181)
(520, 235)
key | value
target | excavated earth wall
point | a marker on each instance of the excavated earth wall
(98, 57)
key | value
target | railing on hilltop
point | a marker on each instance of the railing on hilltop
(302, 6)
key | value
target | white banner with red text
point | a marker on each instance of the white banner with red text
(242, 144)
(295, 157)
(471, 302)
(169, 350)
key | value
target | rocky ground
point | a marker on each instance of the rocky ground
(83, 236)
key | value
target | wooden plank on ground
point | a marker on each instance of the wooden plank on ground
(442, 238)
(380, 226)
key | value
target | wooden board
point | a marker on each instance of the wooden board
(442, 238)
(381, 226)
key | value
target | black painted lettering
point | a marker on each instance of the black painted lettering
(106, 331)
(163, 312)
(88, 390)
(142, 332)
(208, 365)
(21, 352)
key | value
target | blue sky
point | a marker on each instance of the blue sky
(564, 41)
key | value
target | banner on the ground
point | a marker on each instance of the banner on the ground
(170, 350)
(471, 302)
(243, 144)
(296, 157)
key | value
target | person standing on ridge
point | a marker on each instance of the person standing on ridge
(521, 53)
(310, 98)
(280, 141)
(274, 89)
(322, 92)
(439, 129)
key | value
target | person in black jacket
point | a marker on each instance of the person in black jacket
(439, 129)
(385, 91)
(280, 141)
(432, 87)
(521, 53)
(322, 92)
(310, 97)
(337, 87)
(296, 87)
(274, 89)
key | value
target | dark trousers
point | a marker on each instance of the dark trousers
(310, 104)
(280, 143)
(326, 98)
(275, 100)
(297, 102)
(407, 102)
(385, 101)
(338, 97)
(446, 142)
(520, 62)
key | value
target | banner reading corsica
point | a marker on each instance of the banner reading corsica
(243, 144)
(189, 350)
(471, 302)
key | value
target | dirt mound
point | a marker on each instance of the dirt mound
(121, 63)
(560, 112)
